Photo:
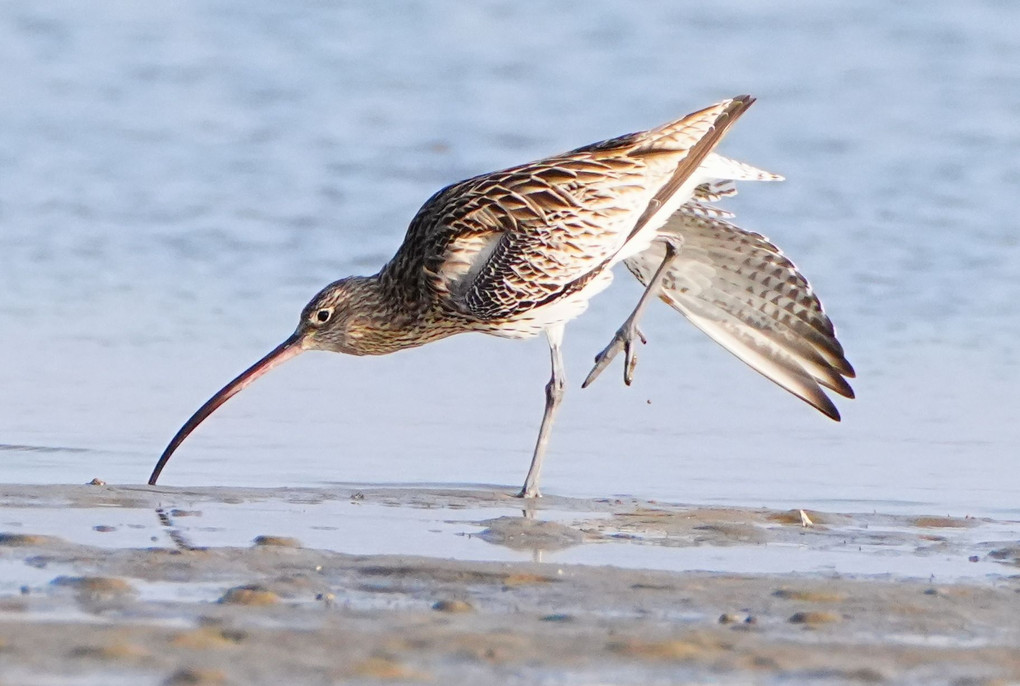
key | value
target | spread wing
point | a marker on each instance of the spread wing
(746, 295)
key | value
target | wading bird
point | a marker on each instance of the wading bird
(521, 251)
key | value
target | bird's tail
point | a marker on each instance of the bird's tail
(724, 173)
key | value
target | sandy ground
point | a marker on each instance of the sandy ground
(83, 609)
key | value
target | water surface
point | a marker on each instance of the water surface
(177, 180)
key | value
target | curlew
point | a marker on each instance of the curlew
(519, 252)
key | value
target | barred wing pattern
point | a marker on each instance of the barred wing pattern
(741, 290)
(505, 245)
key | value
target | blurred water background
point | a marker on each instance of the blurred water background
(177, 179)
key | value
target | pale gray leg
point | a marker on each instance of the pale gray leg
(624, 338)
(553, 397)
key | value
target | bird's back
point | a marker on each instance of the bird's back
(497, 247)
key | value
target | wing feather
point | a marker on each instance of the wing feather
(741, 290)
(499, 245)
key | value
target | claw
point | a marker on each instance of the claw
(628, 369)
(602, 361)
(623, 339)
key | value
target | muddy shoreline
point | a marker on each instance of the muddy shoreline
(95, 606)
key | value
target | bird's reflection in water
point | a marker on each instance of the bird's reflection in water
(179, 538)
(526, 533)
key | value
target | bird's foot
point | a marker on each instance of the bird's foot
(622, 340)
(525, 493)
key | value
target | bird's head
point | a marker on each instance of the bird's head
(339, 319)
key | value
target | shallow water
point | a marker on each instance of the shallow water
(480, 525)
(939, 593)
(176, 181)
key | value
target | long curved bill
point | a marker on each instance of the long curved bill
(283, 352)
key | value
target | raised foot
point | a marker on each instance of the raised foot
(622, 340)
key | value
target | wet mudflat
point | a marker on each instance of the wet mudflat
(104, 584)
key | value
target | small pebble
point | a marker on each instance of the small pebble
(814, 618)
(113, 651)
(452, 606)
(386, 669)
(196, 677)
(96, 482)
(941, 523)
(737, 618)
(16, 540)
(252, 594)
(95, 585)
(103, 528)
(974, 558)
(277, 541)
(808, 595)
(208, 637)
(524, 579)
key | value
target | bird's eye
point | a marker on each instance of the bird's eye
(323, 315)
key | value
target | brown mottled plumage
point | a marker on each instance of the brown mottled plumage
(521, 251)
